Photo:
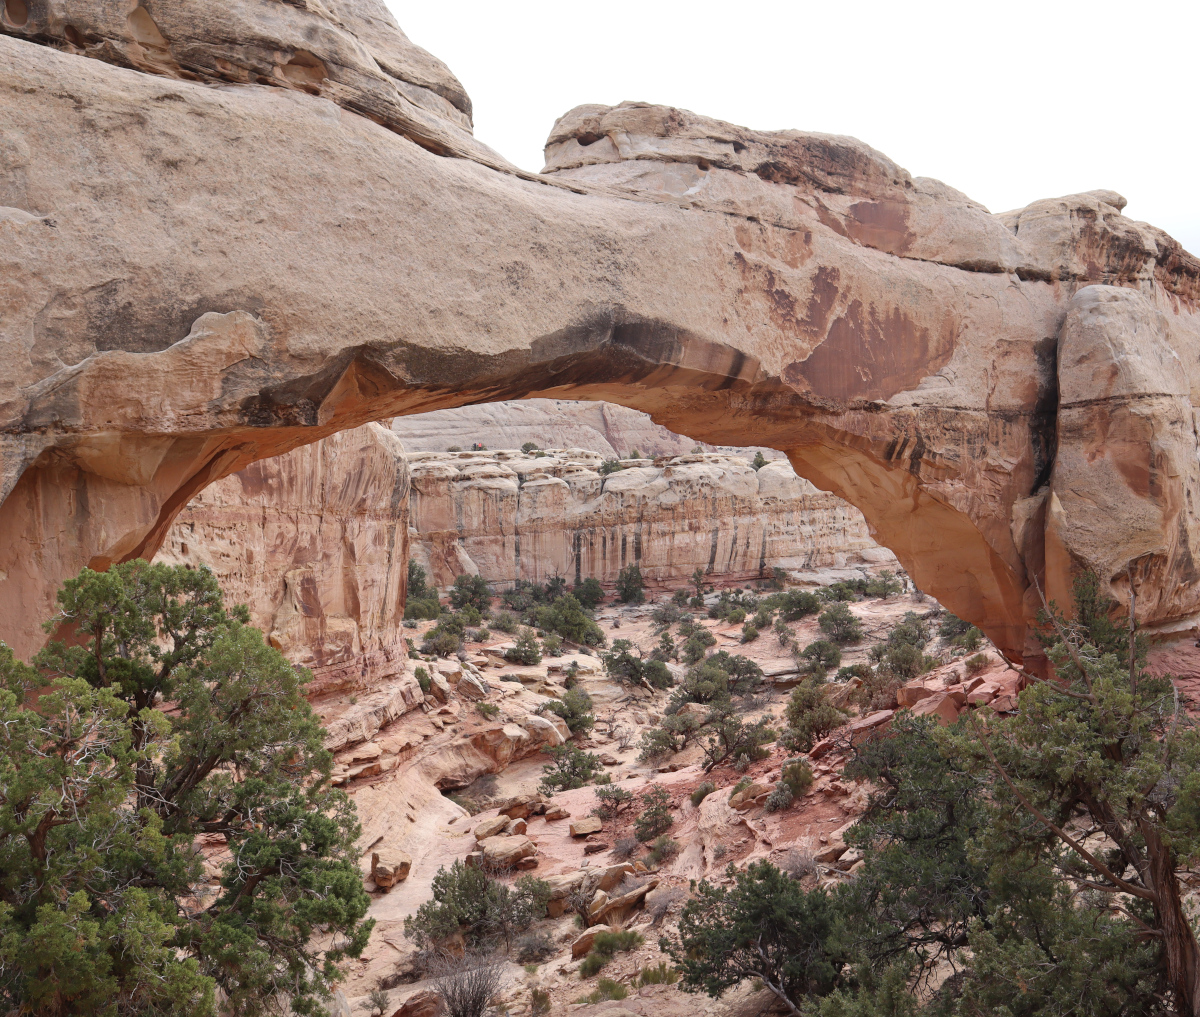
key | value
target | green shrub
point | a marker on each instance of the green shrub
(416, 589)
(552, 645)
(703, 790)
(589, 593)
(820, 657)
(529, 446)
(572, 768)
(655, 817)
(469, 903)
(739, 787)
(796, 604)
(749, 633)
(759, 461)
(472, 591)
(605, 989)
(630, 584)
(839, 623)
(736, 616)
(421, 608)
(680, 598)
(810, 715)
(978, 663)
(489, 710)
(566, 616)
(797, 775)
(505, 621)
(780, 798)
(613, 800)
(576, 709)
(442, 641)
(622, 665)
(660, 974)
(422, 677)
(525, 649)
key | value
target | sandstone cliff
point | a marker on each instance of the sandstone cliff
(316, 543)
(507, 516)
(607, 428)
(197, 278)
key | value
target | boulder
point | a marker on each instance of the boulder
(515, 826)
(911, 693)
(618, 908)
(595, 847)
(744, 799)
(521, 806)
(557, 812)
(439, 687)
(614, 875)
(504, 851)
(585, 825)
(472, 687)
(608, 759)
(583, 942)
(598, 901)
(389, 866)
(545, 730)
(940, 706)
(983, 693)
(870, 725)
(423, 1003)
(491, 827)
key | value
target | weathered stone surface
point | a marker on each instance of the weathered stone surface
(618, 909)
(939, 705)
(506, 851)
(360, 721)
(583, 942)
(905, 347)
(507, 516)
(744, 799)
(471, 687)
(490, 827)
(315, 542)
(605, 428)
(584, 825)
(423, 1003)
(390, 866)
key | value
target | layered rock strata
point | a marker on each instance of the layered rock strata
(315, 542)
(509, 516)
(196, 278)
(607, 428)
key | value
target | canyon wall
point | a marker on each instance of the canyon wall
(315, 542)
(195, 278)
(608, 428)
(508, 516)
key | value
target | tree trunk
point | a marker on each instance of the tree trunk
(1180, 949)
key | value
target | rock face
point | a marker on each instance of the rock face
(508, 516)
(316, 543)
(197, 278)
(606, 428)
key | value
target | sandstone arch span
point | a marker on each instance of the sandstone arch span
(257, 231)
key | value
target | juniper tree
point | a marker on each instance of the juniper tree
(169, 718)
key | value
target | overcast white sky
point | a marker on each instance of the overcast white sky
(1009, 102)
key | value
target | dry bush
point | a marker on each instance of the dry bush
(625, 848)
(798, 862)
(467, 984)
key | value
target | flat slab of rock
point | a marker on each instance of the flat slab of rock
(585, 825)
(505, 851)
(491, 827)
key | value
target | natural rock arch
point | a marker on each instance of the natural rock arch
(197, 277)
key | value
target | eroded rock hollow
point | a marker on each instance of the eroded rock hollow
(224, 237)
